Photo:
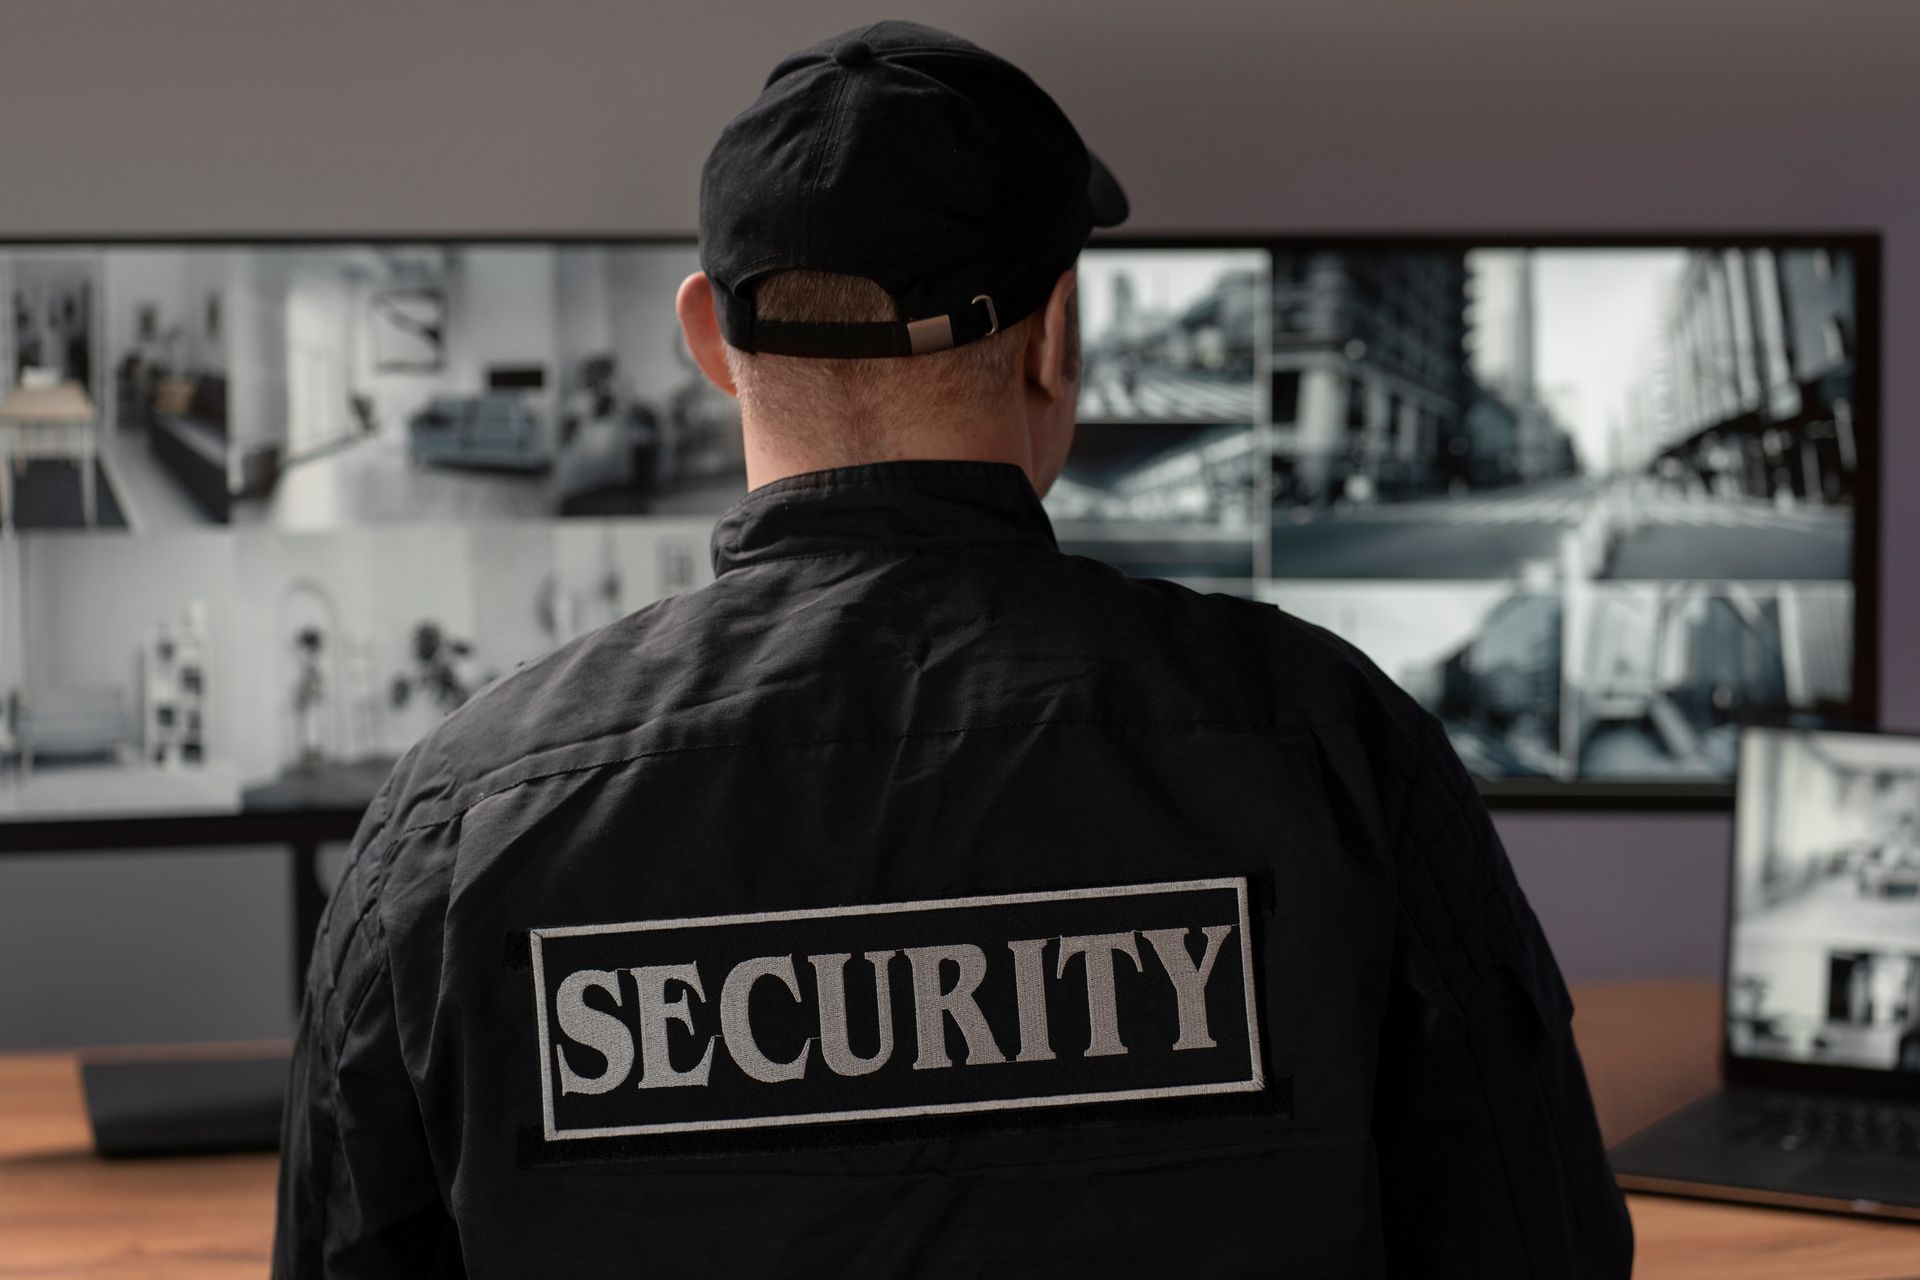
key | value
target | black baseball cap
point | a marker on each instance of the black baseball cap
(912, 158)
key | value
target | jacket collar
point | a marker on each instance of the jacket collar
(851, 509)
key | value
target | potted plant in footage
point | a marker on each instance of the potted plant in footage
(438, 671)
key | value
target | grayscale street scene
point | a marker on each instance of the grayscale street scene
(1659, 676)
(1615, 413)
(1171, 335)
(1162, 500)
(1157, 394)
(1483, 657)
(1654, 532)
(1164, 477)
(1626, 682)
(1825, 964)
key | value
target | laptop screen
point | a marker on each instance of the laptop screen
(1824, 963)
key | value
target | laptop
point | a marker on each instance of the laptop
(1821, 1050)
(185, 1105)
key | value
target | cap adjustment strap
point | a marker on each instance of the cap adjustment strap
(869, 340)
(935, 333)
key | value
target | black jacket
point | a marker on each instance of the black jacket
(1305, 1025)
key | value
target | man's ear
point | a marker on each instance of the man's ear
(1052, 365)
(694, 305)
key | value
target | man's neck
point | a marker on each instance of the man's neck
(774, 455)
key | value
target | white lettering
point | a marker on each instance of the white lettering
(602, 1032)
(830, 987)
(736, 1027)
(1189, 980)
(931, 1005)
(1098, 949)
(657, 1071)
(1030, 997)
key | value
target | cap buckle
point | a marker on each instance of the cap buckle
(993, 317)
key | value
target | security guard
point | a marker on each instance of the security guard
(917, 900)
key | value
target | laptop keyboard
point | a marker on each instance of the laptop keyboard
(1792, 1122)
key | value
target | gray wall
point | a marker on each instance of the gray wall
(205, 116)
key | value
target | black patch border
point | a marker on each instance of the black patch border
(1254, 1083)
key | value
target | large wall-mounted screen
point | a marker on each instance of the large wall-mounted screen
(1595, 505)
(269, 510)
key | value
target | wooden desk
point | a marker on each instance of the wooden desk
(66, 1213)
(57, 421)
(1649, 1048)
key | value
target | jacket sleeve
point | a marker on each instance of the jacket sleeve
(357, 1193)
(1491, 1160)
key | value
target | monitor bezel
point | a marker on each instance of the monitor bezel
(1780, 1073)
(1574, 795)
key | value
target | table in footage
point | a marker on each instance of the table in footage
(40, 422)
(1795, 946)
(1650, 1047)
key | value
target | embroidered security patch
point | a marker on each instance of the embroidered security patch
(897, 1010)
